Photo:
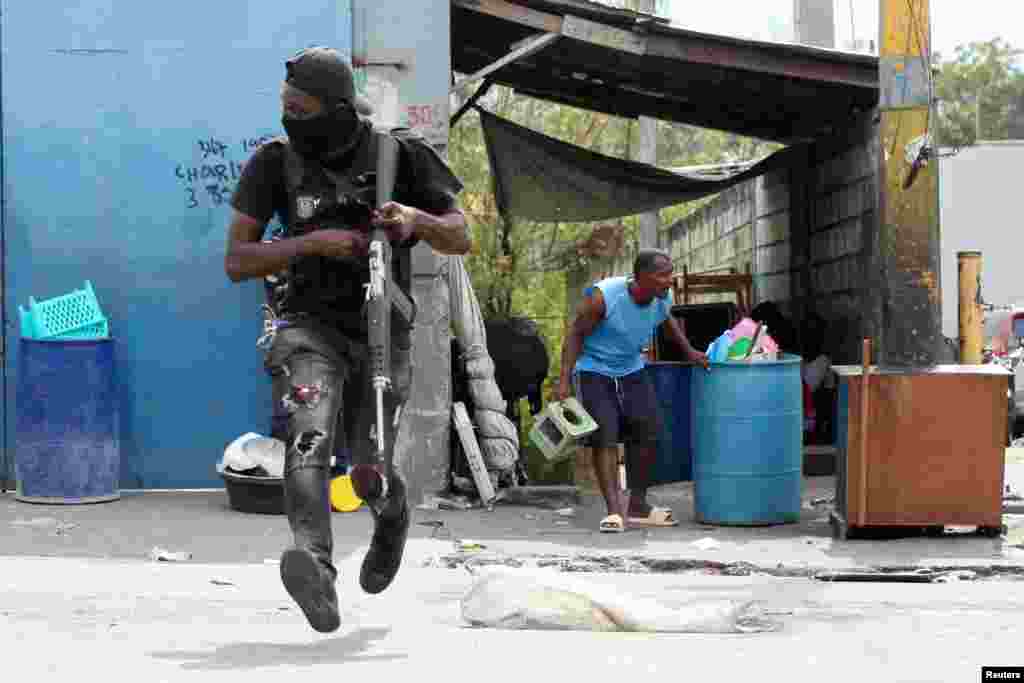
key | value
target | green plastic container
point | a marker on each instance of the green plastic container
(740, 349)
(558, 429)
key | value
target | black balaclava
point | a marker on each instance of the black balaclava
(325, 74)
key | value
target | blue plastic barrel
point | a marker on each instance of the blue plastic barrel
(67, 448)
(747, 442)
(672, 388)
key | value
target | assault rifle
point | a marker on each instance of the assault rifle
(383, 293)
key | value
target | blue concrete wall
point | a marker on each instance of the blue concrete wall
(110, 110)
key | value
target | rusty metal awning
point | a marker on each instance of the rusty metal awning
(629, 64)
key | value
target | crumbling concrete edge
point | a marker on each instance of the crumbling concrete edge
(640, 564)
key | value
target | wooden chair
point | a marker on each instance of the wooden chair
(713, 281)
(716, 282)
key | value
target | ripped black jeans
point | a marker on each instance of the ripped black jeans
(322, 394)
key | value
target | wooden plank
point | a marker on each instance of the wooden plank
(737, 280)
(732, 54)
(549, 23)
(464, 427)
(570, 26)
(863, 464)
(603, 35)
(531, 46)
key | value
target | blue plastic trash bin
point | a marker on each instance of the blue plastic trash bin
(747, 442)
(67, 448)
(672, 389)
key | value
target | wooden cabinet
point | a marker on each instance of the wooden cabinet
(934, 448)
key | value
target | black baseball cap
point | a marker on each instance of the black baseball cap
(325, 73)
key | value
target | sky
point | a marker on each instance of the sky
(953, 21)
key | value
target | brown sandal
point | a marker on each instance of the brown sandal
(656, 517)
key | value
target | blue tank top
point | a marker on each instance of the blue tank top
(614, 348)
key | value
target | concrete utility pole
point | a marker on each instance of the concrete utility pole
(647, 152)
(814, 23)
(418, 36)
(906, 256)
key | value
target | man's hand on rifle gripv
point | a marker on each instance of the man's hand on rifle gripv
(397, 219)
(338, 244)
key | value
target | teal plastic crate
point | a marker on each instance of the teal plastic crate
(27, 330)
(75, 315)
(100, 330)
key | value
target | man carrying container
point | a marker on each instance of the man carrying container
(602, 357)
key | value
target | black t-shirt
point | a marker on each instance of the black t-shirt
(427, 181)
(424, 181)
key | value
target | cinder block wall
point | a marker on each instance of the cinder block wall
(718, 236)
(805, 231)
(843, 228)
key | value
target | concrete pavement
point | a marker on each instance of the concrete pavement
(201, 523)
(94, 619)
(79, 598)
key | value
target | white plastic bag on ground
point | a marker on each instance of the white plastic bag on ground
(252, 450)
(548, 600)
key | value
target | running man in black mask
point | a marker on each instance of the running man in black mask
(320, 182)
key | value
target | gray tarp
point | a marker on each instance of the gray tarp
(543, 179)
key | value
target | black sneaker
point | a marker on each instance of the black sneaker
(391, 517)
(312, 588)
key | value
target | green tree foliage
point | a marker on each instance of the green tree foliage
(519, 268)
(981, 72)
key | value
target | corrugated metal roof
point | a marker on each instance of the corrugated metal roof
(631, 64)
(625, 18)
(594, 10)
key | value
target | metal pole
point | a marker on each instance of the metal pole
(814, 23)
(908, 241)
(969, 268)
(977, 117)
(647, 152)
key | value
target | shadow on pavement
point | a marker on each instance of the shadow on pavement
(353, 646)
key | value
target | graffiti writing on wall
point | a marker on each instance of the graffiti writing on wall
(210, 179)
(429, 120)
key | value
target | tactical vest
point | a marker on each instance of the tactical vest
(331, 289)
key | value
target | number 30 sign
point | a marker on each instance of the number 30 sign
(430, 120)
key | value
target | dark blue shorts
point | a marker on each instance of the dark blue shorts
(625, 409)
